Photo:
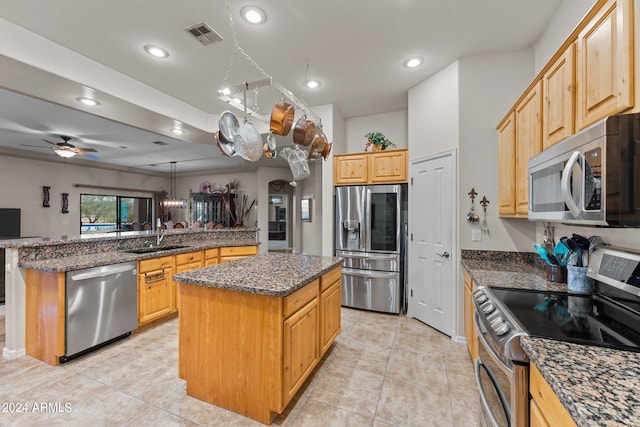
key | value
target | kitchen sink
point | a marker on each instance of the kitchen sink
(155, 249)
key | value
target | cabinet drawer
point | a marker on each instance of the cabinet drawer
(239, 250)
(330, 278)
(188, 258)
(188, 267)
(211, 253)
(155, 264)
(299, 298)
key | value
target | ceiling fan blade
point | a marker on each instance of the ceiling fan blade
(90, 156)
(35, 146)
(52, 143)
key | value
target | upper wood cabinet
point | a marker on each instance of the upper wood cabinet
(379, 167)
(604, 63)
(558, 85)
(528, 143)
(507, 166)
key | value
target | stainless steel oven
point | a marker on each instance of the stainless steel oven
(503, 383)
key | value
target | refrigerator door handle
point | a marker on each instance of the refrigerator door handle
(368, 273)
(367, 219)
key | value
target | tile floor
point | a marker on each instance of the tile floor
(383, 370)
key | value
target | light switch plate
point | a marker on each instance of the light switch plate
(476, 234)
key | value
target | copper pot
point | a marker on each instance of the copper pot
(282, 118)
(304, 131)
(318, 144)
(327, 150)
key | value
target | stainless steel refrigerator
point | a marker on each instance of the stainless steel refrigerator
(370, 234)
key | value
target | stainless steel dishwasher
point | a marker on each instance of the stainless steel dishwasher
(101, 307)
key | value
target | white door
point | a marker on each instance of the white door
(431, 219)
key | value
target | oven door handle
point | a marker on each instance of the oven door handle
(483, 396)
(492, 352)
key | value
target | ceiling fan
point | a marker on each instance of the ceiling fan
(67, 150)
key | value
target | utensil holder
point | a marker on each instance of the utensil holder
(557, 273)
(577, 280)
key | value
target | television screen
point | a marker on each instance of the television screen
(9, 223)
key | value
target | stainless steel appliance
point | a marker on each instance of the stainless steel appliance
(101, 307)
(590, 178)
(371, 239)
(610, 317)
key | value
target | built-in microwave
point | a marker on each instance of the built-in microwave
(590, 178)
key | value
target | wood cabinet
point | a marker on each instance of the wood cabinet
(558, 84)
(469, 327)
(251, 353)
(507, 166)
(237, 252)
(528, 143)
(156, 291)
(211, 256)
(604, 63)
(379, 167)
(545, 409)
(186, 262)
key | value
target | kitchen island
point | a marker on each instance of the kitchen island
(252, 331)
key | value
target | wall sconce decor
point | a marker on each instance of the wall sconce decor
(483, 225)
(65, 202)
(45, 196)
(305, 210)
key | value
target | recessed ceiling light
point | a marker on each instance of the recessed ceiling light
(88, 101)
(413, 62)
(312, 84)
(253, 15)
(177, 131)
(156, 51)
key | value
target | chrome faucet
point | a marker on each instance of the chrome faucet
(160, 233)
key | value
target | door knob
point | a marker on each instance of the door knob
(443, 255)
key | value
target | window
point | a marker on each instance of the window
(100, 213)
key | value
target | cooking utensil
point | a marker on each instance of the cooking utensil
(327, 150)
(282, 118)
(224, 147)
(576, 249)
(228, 124)
(304, 131)
(561, 252)
(248, 142)
(319, 142)
(544, 254)
(270, 146)
(584, 245)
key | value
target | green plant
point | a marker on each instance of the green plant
(233, 185)
(378, 140)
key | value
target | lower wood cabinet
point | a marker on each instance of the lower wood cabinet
(469, 326)
(156, 295)
(330, 302)
(211, 256)
(545, 409)
(236, 252)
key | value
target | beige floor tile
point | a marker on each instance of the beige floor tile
(426, 341)
(374, 333)
(410, 404)
(349, 389)
(319, 414)
(425, 369)
(466, 406)
(362, 355)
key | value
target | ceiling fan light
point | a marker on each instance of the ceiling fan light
(156, 51)
(64, 153)
(90, 102)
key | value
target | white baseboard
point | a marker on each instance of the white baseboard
(458, 339)
(13, 354)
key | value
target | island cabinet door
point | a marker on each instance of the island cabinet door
(329, 316)
(156, 295)
(301, 347)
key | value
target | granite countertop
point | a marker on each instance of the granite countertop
(80, 261)
(598, 386)
(275, 274)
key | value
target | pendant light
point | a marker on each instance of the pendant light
(173, 201)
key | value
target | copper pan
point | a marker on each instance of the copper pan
(318, 144)
(304, 131)
(282, 118)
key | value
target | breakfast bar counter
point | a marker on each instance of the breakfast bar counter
(251, 331)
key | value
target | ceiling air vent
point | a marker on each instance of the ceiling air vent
(204, 33)
(159, 142)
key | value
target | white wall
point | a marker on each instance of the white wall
(23, 179)
(393, 125)
(433, 114)
(489, 85)
(561, 25)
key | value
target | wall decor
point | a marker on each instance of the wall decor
(45, 196)
(305, 210)
(65, 202)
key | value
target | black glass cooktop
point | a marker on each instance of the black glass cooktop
(603, 320)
